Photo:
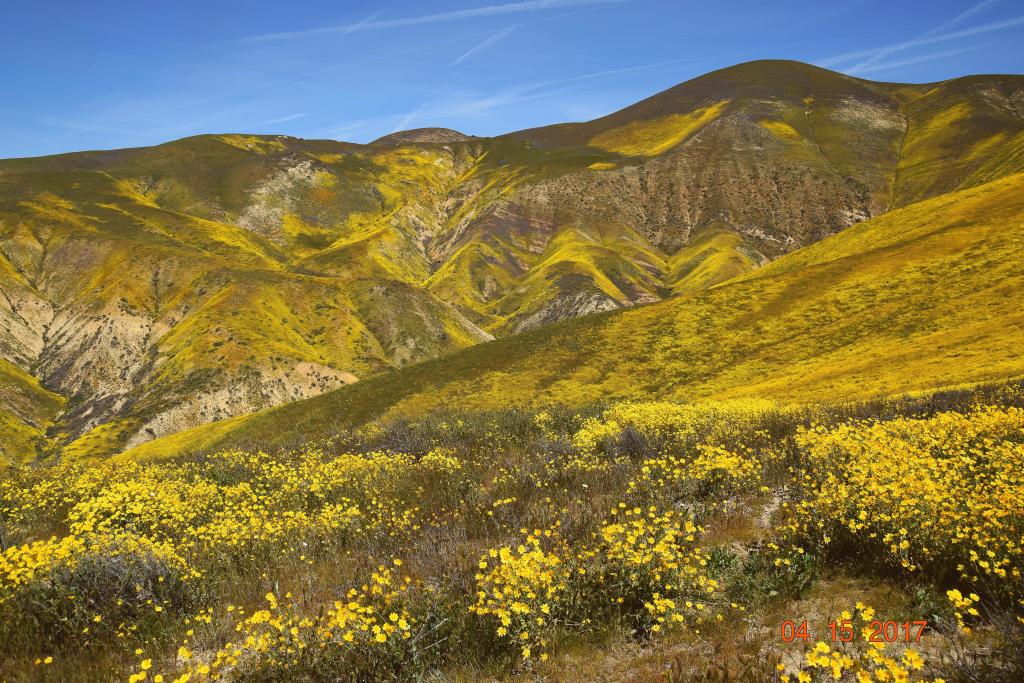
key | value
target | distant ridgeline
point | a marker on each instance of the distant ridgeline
(147, 291)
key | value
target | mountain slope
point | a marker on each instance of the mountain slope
(160, 288)
(922, 297)
(26, 412)
(150, 320)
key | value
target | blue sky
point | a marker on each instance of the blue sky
(104, 74)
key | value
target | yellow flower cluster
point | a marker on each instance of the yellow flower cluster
(32, 563)
(642, 565)
(232, 507)
(369, 623)
(671, 426)
(710, 466)
(522, 588)
(860, 659)
(20, 565)
(943, 494)
(545, 424)
(133, 534)
(210, 547)
(649, 566)
(964, 607)
(357, 618)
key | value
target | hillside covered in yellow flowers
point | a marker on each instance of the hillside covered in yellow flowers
(160, 288)
(725, 386)
(920, 298)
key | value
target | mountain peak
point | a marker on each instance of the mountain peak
(422, 135)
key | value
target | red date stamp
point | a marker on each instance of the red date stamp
(843, 631)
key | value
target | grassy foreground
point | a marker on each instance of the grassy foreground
(628, 541)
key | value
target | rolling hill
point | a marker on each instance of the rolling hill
(150, 290)
(922, 297)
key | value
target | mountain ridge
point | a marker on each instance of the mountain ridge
(159, 288)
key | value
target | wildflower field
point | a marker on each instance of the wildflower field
(632, 541)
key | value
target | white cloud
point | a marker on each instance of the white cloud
(959, 19)
(290, 117)
(945, 26)
(370, 24)
(484, 44)
(917, 42)
(407, 120)
(885, 66)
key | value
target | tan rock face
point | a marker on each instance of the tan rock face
(735, 172)
(243, 395)
(96, 351)
(566, 306)
(24, 318)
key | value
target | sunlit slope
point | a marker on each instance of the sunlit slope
(921, 297)
(712, 256)
(959, 133)
(579, 271)
(151, 320)
(26, 411)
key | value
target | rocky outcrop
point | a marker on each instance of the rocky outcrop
(563, 307)
(242, 394)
